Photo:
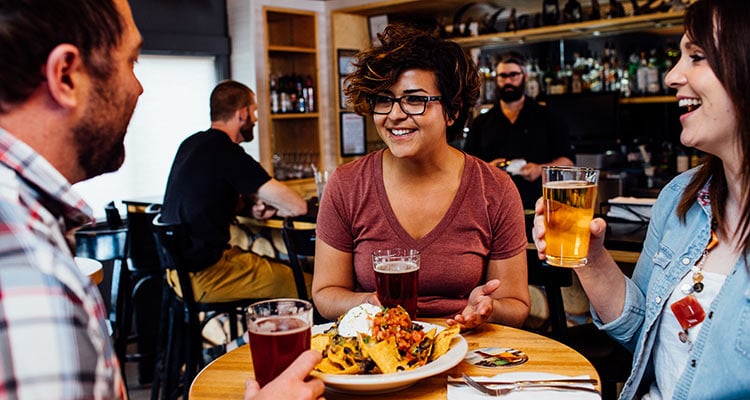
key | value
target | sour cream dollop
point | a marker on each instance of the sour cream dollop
(358, 319)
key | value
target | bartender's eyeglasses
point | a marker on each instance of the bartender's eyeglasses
(510, 75)
(410, 104)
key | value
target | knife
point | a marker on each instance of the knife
(452, 380)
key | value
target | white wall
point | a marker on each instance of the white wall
(174, 104)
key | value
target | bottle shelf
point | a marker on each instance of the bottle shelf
(292, 49)
(293, 115)
(663, 22)
(648, 100)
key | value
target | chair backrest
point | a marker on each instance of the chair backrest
(300, 244)
(552, 279)
(169, 238)
(141, 246)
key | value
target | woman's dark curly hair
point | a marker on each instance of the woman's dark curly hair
(404, 47)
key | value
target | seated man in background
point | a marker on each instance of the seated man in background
(210, 176)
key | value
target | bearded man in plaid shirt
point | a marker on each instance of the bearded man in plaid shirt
(66, 97)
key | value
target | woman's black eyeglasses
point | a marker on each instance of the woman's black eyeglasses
(410, 104)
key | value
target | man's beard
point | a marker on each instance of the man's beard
(247, 131)
(510, 93)
(100, 134)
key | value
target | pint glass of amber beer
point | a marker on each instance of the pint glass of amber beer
(569, 199)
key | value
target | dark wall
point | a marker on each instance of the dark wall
(182, 26)
(185, 27)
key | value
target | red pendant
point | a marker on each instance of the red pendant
(688, 311)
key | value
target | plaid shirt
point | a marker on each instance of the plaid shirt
(54, 341)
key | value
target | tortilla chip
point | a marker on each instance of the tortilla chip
(384, 354)
(443, 341)
(329, 367)
(344, 355)
(431, 333)
(320, 342)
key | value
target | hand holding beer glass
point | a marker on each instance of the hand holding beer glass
(396, 273)
(569, 195)
(279, 331)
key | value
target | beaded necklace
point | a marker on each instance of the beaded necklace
(688, 310)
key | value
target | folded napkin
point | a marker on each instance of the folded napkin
(464, 392)
(514, 166)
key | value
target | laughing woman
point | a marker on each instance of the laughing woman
(464, 216)
(686, 310)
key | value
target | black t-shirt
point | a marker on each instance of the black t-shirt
(537, 136)
(208, 175)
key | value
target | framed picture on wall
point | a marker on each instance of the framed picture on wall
(346, 67)
(377, 24)
(353, 140)
(346, 58)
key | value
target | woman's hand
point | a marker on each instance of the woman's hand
(294, 383)
(539, 229)
(479, 308)
(597, 227)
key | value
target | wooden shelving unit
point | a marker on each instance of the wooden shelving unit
(664, 23)
(291, 49)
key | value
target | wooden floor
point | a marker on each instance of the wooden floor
(135, 390)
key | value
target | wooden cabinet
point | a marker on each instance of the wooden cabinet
(291, 140)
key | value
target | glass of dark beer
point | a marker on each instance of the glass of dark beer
(279, 332)
(396, 276)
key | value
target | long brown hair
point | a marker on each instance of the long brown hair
(720, 28)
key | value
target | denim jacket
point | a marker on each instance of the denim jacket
(720, 360)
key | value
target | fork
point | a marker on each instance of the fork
(521, 386)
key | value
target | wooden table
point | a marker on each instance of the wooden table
(225, 377)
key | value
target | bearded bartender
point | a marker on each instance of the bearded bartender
(517, 133)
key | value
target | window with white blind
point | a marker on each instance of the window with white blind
(174, 105)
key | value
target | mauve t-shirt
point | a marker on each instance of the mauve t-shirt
(484, 222)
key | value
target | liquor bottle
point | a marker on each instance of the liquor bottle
(309, 94)
(274, 95)
(512, 24)
(642, 75)
(616, 10)
(653, 84)
(301, 105)
(489, 80)
(550, 12)
(572, 12)
(596, 12)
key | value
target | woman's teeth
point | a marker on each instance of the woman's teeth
(401, 132)
(690, 104)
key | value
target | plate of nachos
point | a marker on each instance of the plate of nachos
(372, 350)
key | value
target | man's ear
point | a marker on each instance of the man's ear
(63, 72)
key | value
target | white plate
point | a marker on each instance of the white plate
(384, 383)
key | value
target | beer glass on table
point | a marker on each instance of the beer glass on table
(279, 331)
(396, 273)
(569, 195)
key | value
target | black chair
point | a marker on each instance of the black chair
(180, 344)
(300, 247)
(136, 286)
